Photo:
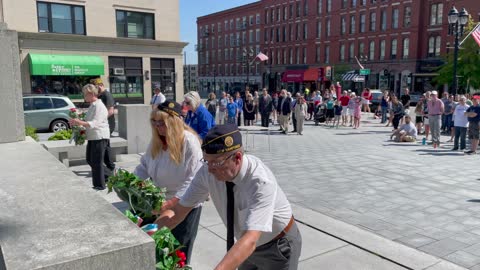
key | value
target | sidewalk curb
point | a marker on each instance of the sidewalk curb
(402, 255)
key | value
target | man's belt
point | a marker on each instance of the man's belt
(285, 231)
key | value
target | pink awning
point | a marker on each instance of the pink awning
(293, 76)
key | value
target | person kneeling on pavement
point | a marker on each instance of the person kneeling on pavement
(266, 232)
(406, 133)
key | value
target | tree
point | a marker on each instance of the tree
(468, 65)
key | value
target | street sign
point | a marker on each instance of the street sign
(364, 71)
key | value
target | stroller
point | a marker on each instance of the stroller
(320, 115)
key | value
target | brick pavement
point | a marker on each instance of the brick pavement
(424, 198)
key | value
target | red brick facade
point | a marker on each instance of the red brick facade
(401, 42)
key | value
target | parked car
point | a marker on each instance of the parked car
(47, 112)
(376, 99)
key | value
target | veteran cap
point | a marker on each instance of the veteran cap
(171, 107)
(221, 139)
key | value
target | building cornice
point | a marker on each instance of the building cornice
(105, 40)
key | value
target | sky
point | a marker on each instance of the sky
(190, 10)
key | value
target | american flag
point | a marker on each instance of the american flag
(262, 57)
(476, 34)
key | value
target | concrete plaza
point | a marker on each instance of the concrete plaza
(362, 201)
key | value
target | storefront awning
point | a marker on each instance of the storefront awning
(312, 74)
(350, 76)
(293, 76)
(66, 65)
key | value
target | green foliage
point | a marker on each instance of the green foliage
(142, 195)
(61, 135)
(32, 132)
(166, 245)
(468, 65)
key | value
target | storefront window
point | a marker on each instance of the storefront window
(164, 76)
(70, 86)
(126, 77)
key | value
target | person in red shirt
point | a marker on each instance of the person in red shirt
(366, 99)
(344, 99)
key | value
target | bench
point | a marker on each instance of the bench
(64, 151)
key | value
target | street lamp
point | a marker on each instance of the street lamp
(457, 22)
(247, 55)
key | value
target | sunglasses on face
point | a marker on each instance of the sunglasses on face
(157, 123)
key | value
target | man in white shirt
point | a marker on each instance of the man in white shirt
(266, 233)
(460, 122)
(158, 98)
(407, 132)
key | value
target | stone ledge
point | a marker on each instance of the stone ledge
(51, 219)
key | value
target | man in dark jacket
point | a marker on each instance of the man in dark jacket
(284, 110)
(265, 105)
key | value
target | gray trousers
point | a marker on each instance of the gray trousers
(283, 121)
(435, 124)
(281, 254)
(300, 121)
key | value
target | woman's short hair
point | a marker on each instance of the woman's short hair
(193, 98)
(212, 96)
(90, 88)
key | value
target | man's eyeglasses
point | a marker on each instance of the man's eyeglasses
(218, 163)
(157, 123)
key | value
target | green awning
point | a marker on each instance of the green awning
(66, 65)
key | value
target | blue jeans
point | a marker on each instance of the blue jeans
(384, 114)
(448, 122)
(231, 120)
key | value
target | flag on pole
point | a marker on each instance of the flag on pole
(358, 62)
(262, 57)
(476, 34)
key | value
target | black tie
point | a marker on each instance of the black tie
(230, 209)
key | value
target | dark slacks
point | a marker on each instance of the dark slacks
(265, 119)
(460, 134)
(239, 119)
(108, 158)
(396, 120)
(280, 254)
(294, 122)
(95, 158)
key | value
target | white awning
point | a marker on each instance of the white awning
(350, 76)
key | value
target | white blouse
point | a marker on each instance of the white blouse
(97, 118)
(165, 173)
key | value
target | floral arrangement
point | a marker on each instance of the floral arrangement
(78, 133)
(144, 198)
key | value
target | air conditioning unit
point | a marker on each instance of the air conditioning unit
(118, 71)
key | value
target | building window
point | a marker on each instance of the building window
(382, 50)
(395, 15)
(298, 32)
(352, 24)
(284, 56)
(317, 54)
(278, 35)
(290, 13)
(257, 20)
(319, 29)
(383, 20)
(250, 36)
(231, 24)
(257, 35)
(329, 6)
(298, 9)
(371, 52)
(284, 37)
(305, 31)
(285, 13)
(373, 21)
(327, 32)
(406, 49)
(342, 53)
(226, 26)
(290, 55)
(60, 18)
(434, 46)
(130, 85)
(304, 55)
(279, 16)
(361, 48)
(344, 4)
(266, 16)
(351, 51)
(393, 53)
(135, 25)
(327, 54)
(305, 8)
(354, 3)
(362, 23)
(319, 6)
(436, 14)
(219, 27)
(407, 17)
(343, 25)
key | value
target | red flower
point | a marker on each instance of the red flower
(82, 132)
(73, 110)
(181, 255)
(181, 264)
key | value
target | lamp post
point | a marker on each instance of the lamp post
(247, 55)
(457, 22)
(214, 81)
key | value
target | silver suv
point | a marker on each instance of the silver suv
(47, 112)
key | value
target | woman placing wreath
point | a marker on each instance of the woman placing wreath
(171, 160)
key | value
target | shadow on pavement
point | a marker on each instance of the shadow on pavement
(400, 144)
(85, 174)
(121, 206)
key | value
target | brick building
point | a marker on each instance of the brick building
(313, 42)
